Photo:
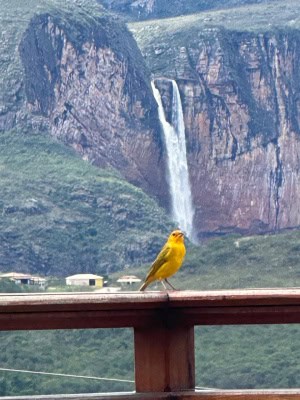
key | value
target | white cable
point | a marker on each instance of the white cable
(84, 377)
(66, 375)
(205, 388)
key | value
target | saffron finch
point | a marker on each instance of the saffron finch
(168, 261)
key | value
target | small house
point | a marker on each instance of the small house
(24, 279)
(85, 280)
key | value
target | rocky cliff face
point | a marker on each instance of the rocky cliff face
(241, 94)
(91, 89)
(85, 82)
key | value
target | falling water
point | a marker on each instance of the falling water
(182, 207)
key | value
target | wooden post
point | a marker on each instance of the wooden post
(164, 358)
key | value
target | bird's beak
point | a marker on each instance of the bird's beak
(181, 234)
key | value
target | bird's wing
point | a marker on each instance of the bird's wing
(161, 258)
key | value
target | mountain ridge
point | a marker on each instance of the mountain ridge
(91, 90)
(143, 9)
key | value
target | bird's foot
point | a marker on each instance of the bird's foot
(173, 288)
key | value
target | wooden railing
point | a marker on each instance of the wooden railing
(163, 326)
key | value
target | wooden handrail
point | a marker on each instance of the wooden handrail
(163, 325)
(182, 395)
(136, 309)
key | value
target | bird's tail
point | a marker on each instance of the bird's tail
(143, 287)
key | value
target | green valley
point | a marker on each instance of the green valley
(61, 215)
(226, 357)
(83, 171)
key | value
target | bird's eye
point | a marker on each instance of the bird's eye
(173, 234)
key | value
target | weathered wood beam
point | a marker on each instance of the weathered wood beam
(80, 310)
(292, 394)
(136, 309)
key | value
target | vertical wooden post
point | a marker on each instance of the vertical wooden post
(164, 358)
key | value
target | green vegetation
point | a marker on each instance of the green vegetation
(240, 262)
(162, 9)
(226, 357)
(161, 40)
(60, 215)
(98, 353)
(14, 18)
(255, 17)
(247, 357)
(8, 286)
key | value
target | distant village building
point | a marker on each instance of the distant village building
(129, 279)
(24, 279)
(85, 280)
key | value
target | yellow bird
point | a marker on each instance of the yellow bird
(168, 261)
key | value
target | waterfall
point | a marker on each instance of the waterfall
(174, 135)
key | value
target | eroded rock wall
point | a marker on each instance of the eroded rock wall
(92, 88)
(240, 96)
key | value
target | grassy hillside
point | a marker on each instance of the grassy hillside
(251, 17)
(60, 215)
(14, 18)
(98, 353)
(239, 262)
(226, 357)
(161, 8)
(160, 40)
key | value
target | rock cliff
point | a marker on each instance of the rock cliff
(79, 75)
(240, 94)
(70, 71)
(92, 89)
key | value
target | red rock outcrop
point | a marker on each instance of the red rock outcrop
(241, 107)
(240, 95)
(93, 91)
